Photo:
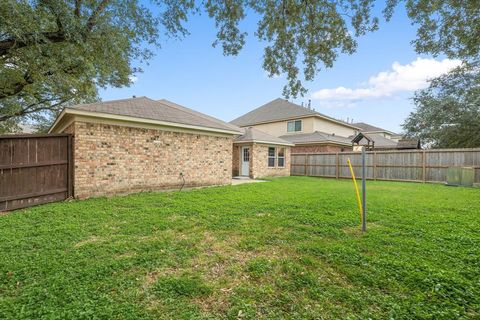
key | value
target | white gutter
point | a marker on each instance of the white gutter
(264, 142)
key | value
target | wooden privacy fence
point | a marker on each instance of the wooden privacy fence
(408, 165)
(35, 169)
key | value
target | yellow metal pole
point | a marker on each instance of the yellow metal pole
(356, 189)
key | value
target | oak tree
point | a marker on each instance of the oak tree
(54, 53)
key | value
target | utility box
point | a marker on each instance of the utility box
(460, 176)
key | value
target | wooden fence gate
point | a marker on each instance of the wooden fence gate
(35, 169)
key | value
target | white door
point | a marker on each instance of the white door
(245, 161)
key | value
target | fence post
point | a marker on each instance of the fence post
(305, 168)
(364, 192)
(337, 169)
(374, 165)
(70, 159)
(424, 168)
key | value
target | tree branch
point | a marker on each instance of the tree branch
(16, 87)
(94, 16)
(28, 110)
(78, 4)
(46, 37)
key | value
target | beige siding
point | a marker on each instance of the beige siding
(332, 127)
(111, 159)
(309, 125)
(280, 128)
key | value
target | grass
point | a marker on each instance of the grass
(290, 248)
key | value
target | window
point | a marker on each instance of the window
(271, 157)
(246, 154)
(294, 126)
(281, 157)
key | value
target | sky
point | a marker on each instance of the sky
(373, 85)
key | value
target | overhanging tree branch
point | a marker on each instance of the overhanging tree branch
(31, 108)
(45, 37)
(91, 21)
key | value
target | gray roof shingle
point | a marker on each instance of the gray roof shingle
(369, 128)
(380, 142)
(276, 110)
(316, 137)
(255, 135)
(163, 110)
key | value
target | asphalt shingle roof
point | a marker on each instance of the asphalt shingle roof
(278, 109)
(316, 137)
(163, 110)
(252, 135)
(368, 127)
(380, 142)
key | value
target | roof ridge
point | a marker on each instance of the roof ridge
(108, 101)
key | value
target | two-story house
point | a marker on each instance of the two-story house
(309, 130)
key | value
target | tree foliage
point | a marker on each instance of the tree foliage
(58, 52)
(447, 113)
(55, 52)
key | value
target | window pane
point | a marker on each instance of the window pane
(290, 126)
(281, 162)
(271, 162)
(271, 152)
(246, 155)
(281, 152)
(298, 125)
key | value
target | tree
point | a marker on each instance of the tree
(55, 52)
(447, 113)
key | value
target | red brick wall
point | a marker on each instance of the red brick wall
(236, 160)
(111, 159)
(259, 162)
(316, 148)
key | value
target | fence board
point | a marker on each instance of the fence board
(34, 169)
(407, 165)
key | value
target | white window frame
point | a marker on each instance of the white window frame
(274, 157)
(278, 156)
(294, 125)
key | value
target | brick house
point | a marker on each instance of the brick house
(140, 144)
(252, 148)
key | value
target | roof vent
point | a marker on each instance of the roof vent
(134, 96)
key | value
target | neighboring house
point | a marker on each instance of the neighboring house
(140, 144)
(27, 128)
(375, 138)
(309, 130)
(372, 130)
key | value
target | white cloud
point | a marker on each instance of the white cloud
(401, 78)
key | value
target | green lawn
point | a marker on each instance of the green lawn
(290, 248)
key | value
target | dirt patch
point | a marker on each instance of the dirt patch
(92, 239)
(125, 255)
(220, 263)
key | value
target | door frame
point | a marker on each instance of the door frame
(241, 160)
